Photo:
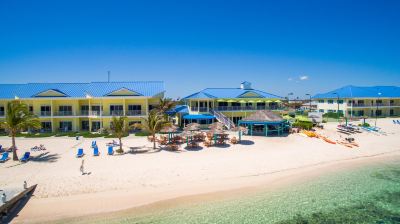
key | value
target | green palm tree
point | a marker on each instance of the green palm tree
(119, 129)
(18, 118)
(165, 105)
(154, 122)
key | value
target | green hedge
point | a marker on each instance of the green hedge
(142, 133)
(302, 124)
(364, 125)
(332, 115)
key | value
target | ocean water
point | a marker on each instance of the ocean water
(365, 195)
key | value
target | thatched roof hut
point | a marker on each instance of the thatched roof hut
(263, 116)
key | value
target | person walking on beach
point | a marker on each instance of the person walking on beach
(82, 168)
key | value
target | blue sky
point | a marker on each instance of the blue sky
(279, 46)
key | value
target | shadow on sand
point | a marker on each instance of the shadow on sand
(143, 150)
(46, 157)
(246, 142)
(16, 209)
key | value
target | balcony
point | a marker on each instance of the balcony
(134, 113)
(45, 113)
(63, 113)
(236, 108)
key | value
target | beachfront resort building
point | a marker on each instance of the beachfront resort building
(227, 105)
(355, 101)
(68, 107)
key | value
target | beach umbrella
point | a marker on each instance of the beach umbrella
(192, 127)
(216, 125)
(171, 129)
(240, 129)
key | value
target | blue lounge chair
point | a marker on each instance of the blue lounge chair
(394, 122)
(94, 144)
(398, 122)
(110, 150)
(96, 151)
(26, 157)
(80, 153)
(4, 157)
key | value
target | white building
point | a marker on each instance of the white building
(356, 101)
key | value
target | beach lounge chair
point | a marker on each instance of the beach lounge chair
(94, 144)
(110, 151)
(96, 151)
(80, 153)
(394, 122)
(26, 157)
(398, 122)
(4, 157)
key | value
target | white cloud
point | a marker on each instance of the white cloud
(290, 79)
(303, 77)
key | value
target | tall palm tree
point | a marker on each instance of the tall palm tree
(119, 129)
(18, 118)
(165, 104)
(153, 124)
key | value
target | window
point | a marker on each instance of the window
(85, 125)
(45, 110)
(391, 112)
(134, 107)
(96, 125)
(1, 110)
(340, 101)
(391, 101)
(46, 126)
(379, 101)
(321, 101)
(340, 111)
(65, 110)
(235, 104)
(65, 126)
(321, 110)
(116, 110)
(222, 104)
(361, 113)
(331, 111)
(378, 112)
(330, 101)
(31, 109)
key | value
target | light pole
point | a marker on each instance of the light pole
(288, 99)
(337, 105)
(376, 114)
(307, 94)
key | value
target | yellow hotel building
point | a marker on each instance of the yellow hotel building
(64, 107)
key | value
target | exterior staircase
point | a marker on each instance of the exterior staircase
(223, 119)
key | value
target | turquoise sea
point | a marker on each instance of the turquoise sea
(364, 195)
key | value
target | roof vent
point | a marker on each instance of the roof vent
(245, 85)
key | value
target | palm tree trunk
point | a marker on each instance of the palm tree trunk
(154, 141)
(14, 147)
(120, 144)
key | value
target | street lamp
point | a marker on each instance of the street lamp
(307, 94)
(376, 114)
(337, 105)
(288, 99)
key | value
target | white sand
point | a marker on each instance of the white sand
(133, 179)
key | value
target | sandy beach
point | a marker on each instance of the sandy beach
(143, 176)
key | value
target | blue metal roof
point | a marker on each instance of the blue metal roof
(182, 109)
(80, 90)
(362, 92)
(229, 93)
(198, 116)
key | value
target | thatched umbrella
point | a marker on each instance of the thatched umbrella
(216, 125)
(171, 129)
(192, 127)
(215, 133)
(240, 129)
